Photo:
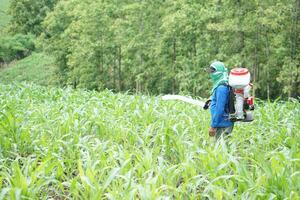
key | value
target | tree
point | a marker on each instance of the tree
(162, 46)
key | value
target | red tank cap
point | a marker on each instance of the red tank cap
(239, 71)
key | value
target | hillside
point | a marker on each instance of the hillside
(74, 144)
(37, 68)
(4, 17)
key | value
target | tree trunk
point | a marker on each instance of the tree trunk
(141, 58)
(268, 71)
(174, 67)
(241, 33)
(115, 71)
(255, 73)
(295, 46)
(217, 36)
(120, 69)
(256, 77)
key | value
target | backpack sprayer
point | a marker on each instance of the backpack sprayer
(241, 104)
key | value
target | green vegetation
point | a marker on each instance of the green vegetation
(27, 15)
(77, 144)
(37, 68)
(162, 46)
(15, 47)
(74, 144)
(4, 17)
(17, 38)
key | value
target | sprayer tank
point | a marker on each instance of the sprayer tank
(239, 78)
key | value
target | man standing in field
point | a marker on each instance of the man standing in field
(220, 123)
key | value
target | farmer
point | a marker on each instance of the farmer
(220, 124)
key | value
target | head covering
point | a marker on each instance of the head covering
(220, 76)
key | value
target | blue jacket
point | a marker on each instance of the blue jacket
(218, 107)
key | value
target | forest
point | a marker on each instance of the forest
(159, 46)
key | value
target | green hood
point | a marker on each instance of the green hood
(220, 76)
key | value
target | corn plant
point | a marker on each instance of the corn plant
(74, 144)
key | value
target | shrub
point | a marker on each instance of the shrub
(15, 47)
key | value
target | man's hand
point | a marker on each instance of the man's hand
(212, 131)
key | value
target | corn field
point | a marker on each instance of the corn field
(76, 144)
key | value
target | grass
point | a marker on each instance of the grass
(74, 144)
(37, 68)
(4, 17)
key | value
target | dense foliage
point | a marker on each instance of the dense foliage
(15, 47)
(27, 15)
(19, 24)
(162, 46)
(73, 144)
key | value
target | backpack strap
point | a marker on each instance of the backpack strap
(231, 102)
(230, 106)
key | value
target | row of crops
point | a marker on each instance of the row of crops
(74, 144)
